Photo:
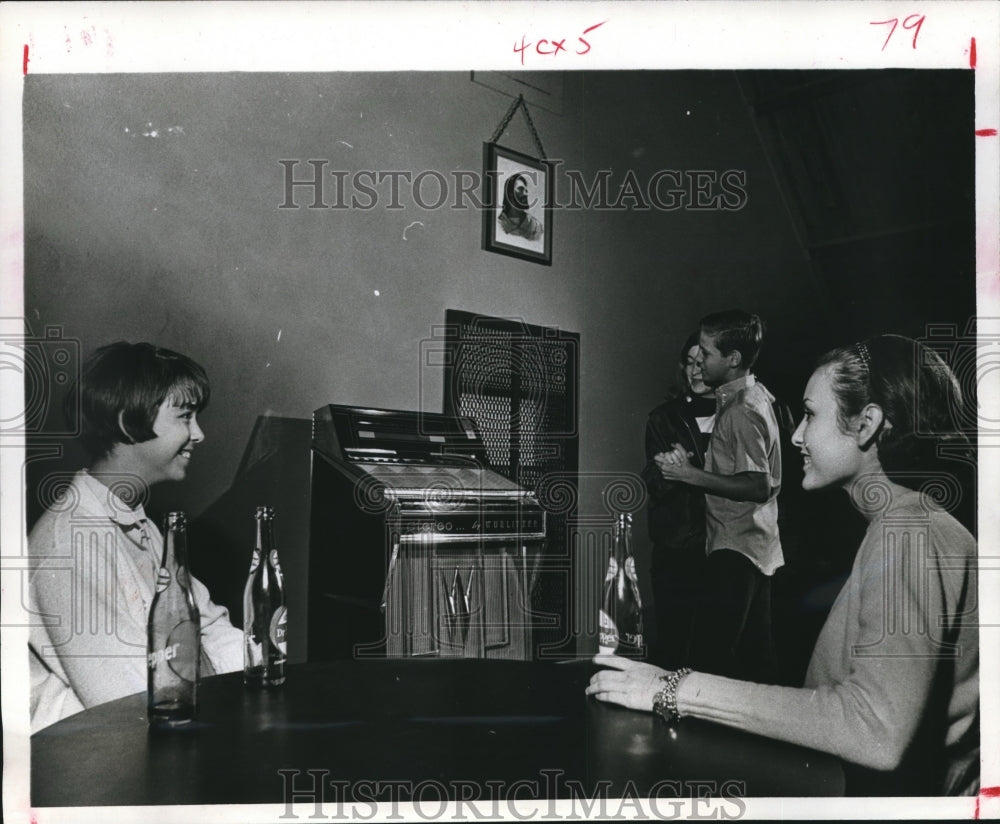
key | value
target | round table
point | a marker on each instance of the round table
(394, 729)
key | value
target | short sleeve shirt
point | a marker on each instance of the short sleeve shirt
(745, 439)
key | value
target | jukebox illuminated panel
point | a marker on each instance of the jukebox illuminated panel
(417, 548)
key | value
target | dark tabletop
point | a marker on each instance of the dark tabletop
(449, 725)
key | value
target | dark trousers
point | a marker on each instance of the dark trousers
(677, 596)
(732, 631)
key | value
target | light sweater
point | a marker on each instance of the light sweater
(894, 678)
(94, 563)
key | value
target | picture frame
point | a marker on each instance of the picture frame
(518, 196)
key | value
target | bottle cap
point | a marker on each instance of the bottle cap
(176, 518)
(264, 513)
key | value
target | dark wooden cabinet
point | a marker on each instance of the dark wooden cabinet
(417, 547)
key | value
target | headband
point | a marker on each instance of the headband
(866, 358)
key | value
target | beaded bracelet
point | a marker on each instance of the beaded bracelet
(665, 702)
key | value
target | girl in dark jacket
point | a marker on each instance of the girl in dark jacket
(676, 512)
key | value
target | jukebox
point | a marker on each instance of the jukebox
(417, 548)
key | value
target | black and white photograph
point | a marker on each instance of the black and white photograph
(322, 500)
(517, 219)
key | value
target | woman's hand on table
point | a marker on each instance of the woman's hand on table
(632, 684)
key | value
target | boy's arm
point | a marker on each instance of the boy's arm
(743, 486)
(747, 440)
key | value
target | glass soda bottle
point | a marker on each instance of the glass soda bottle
(264, 617)
(173, 635)
(620, 619)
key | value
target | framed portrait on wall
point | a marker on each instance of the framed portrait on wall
(518, 196)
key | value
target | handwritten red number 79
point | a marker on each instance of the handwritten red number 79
(914, 21)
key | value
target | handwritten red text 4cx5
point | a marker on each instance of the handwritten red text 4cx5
(552, 48)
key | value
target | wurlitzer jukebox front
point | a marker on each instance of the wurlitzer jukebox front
(417, 548)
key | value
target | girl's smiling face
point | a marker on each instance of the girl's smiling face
(166, 456)
(831, 456)
(693, 373)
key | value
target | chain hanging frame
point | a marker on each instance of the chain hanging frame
(523, 106)
(518, 231)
